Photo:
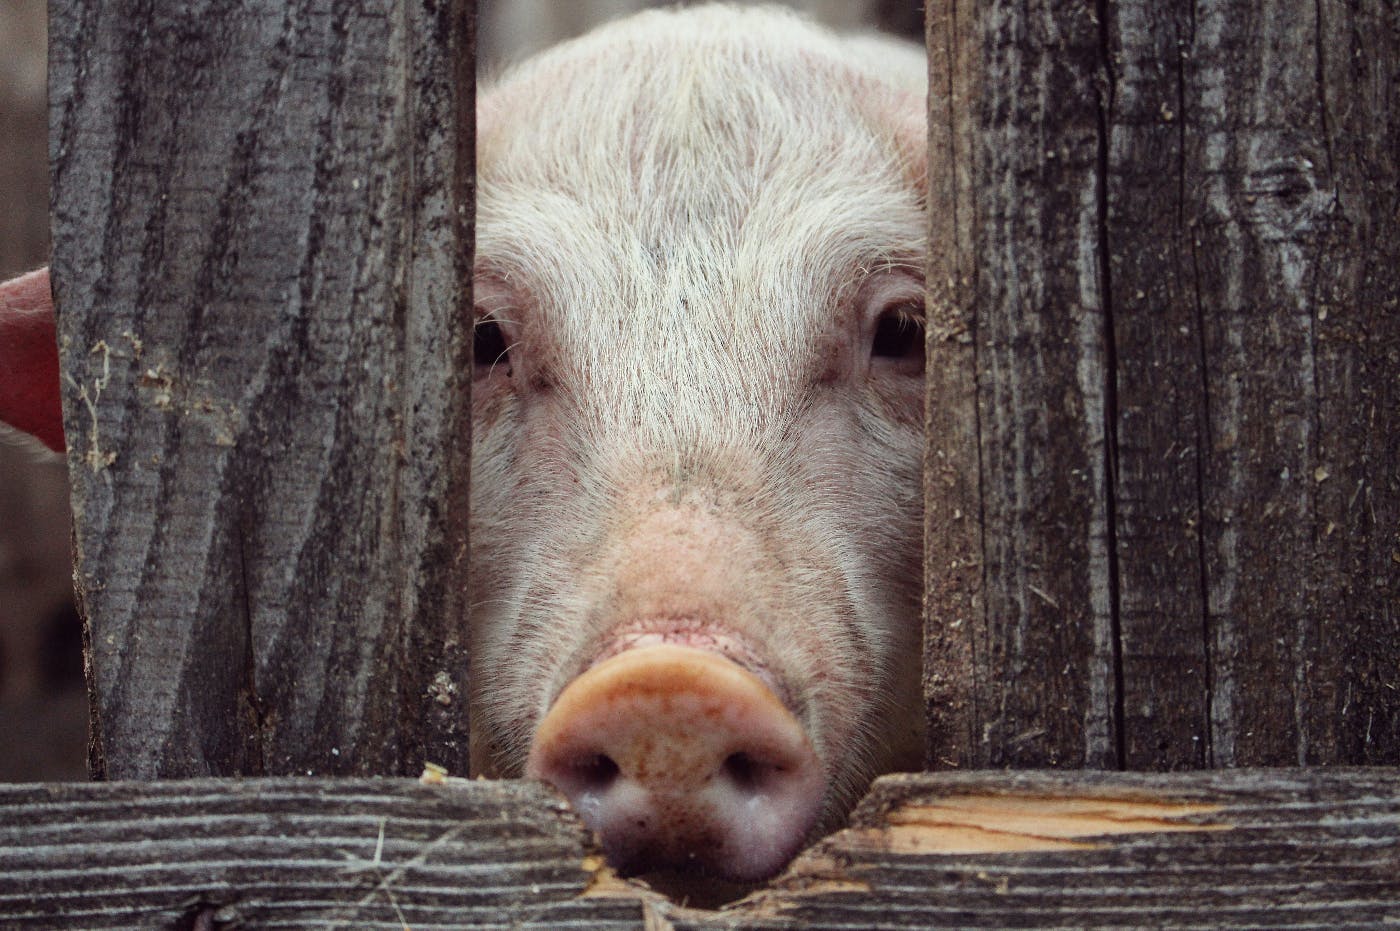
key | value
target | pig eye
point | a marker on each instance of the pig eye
(489, 350)
(899, 337)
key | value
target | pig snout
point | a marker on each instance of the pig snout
(679, 757)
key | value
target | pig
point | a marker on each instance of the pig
(696, 512)
(698, 406)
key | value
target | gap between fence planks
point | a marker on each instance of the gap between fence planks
(1244, 848)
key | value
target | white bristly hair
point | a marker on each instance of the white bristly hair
(681, 221)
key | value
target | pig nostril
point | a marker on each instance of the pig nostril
(748, 773)
(596, 773)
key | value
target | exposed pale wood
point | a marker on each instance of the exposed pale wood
(1301, 848)
(261, 247)
(1183, 227)
(1313, 848)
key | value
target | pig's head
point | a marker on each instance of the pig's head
(698, 409)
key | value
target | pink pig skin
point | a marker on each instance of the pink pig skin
(29, 388)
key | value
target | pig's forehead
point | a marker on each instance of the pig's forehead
(748, 163)
(661, 95)
(686, 58)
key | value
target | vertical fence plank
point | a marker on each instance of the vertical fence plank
(1349, 677)
(1293, 170)
(1042, 643)
(1184, 222)
(261, 249)
(1254, 382)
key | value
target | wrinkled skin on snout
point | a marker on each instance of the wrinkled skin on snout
(698, 408)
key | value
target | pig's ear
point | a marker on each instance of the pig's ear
(29, 395)
(488, 121)
(893, 91)
(905, 114)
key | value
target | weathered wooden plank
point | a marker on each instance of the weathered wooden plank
(1347, 675)
(1021, 87)
(289, 853)
(1167, 229)
(1244, 848)
(1252, 171)
(1161, 427)
(1302, 848)
(952, 680)
(261, 245)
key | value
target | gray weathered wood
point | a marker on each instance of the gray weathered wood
(1016, 90)
(1166, 661)
(1263, 849)
(1313, 848)
(1176, 231)
(296, 853)
(1254, 155)
(261, 249)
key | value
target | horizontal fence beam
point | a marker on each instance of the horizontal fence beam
(1317, 847)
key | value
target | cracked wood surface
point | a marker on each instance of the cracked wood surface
(260, 223)
(1316, 848)
(1164, 375)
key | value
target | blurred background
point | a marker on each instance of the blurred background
(43, 707)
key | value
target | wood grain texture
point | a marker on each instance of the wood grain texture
(1187, 359)
(953, 679)
(1162, 420)
(261, 249)
(1257, 371)
(1251, 198)
(1348, 692)
(1022, 91)
(1313, 848)
(288, 853)
(1298, 849)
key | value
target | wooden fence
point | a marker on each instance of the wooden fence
(1312, 848)
(1162, 492)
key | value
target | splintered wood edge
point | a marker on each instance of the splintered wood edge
(979, 813)
(937, 830)
(1002, 824)
(929, 849)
